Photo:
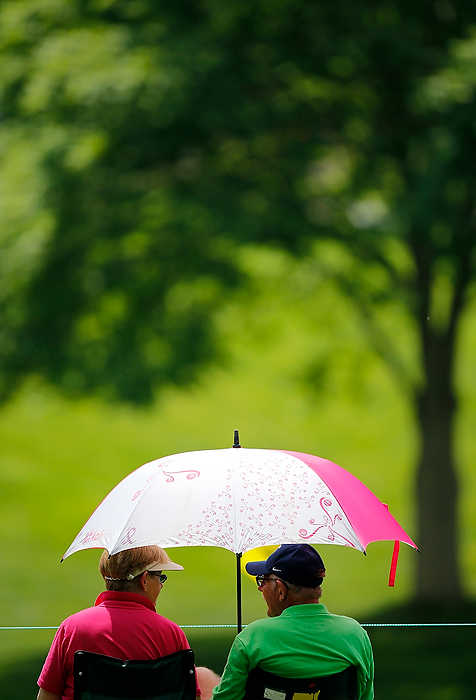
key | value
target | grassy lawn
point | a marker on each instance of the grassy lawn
(60, 457)
(411, 663)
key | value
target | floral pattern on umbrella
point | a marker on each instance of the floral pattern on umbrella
(239, 500)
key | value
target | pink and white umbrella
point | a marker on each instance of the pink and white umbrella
(239, 499)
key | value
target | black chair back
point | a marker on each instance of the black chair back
(262, 685)
(98, 677)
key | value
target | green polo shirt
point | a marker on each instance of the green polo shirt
(304, 641)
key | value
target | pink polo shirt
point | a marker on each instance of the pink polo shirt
(123, 625)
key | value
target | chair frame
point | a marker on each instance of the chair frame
(263, 685)
(100, 676)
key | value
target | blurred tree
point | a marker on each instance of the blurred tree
(110, 274)
(143, 140)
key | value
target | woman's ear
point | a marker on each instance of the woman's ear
(143, 580)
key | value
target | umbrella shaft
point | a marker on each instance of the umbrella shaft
(238, 593)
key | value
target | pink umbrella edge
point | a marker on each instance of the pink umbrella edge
(370, 518)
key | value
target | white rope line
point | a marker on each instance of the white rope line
(233, 626)
(418, 624)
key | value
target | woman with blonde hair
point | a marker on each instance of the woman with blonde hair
(123, 623)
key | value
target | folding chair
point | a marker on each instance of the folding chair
(98, 677)
(262, 685)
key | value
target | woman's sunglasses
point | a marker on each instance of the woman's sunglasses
(162, 577)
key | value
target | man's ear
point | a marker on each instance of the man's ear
(143, 580)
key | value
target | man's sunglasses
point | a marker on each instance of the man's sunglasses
(261, 578)
(162, 577)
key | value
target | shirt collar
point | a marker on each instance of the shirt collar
(124, 597)
(305, 609)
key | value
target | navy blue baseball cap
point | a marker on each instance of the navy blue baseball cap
(295, 563)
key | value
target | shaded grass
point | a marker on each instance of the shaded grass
(435, 663)
(410, 663)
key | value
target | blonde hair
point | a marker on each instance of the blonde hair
(124, 566)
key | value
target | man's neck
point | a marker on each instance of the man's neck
(294, 601)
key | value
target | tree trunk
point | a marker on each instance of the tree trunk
(438, 569)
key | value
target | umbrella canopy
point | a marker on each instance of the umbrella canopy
(238, 499)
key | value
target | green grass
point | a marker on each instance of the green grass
(410, 663)
(60, 457)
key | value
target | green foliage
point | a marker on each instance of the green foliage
(112, 274)
(143, 142)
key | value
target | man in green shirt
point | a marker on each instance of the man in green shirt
(299, 638)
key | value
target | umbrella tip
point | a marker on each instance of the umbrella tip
(236, 440)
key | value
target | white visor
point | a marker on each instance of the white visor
(160, 565)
